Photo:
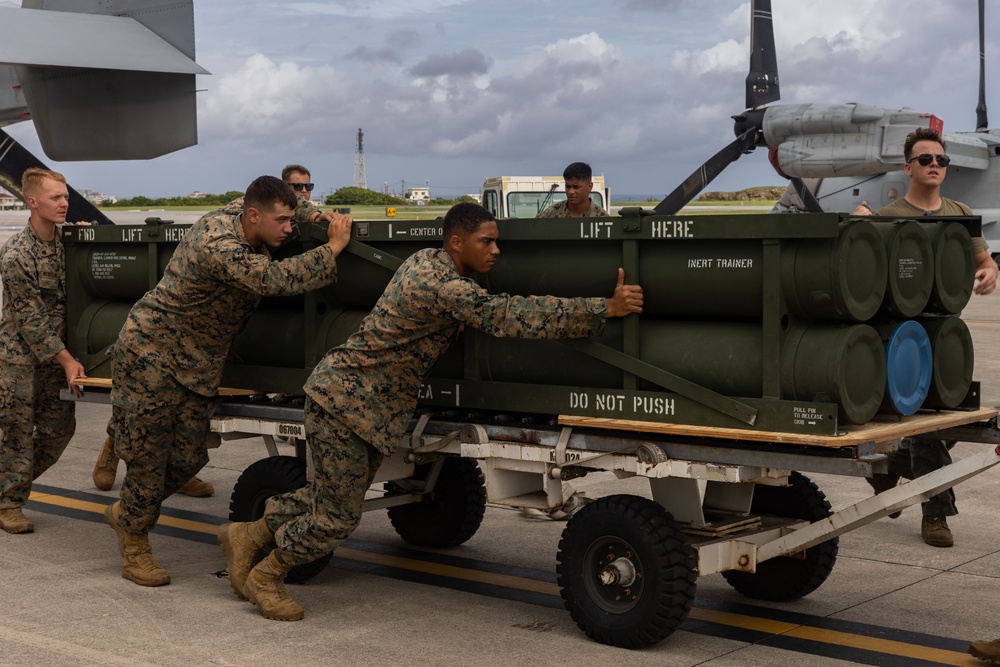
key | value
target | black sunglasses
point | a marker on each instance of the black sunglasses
(924, 159)
(308, 187)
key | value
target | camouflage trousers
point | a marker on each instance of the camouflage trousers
(159, 428)
(312, 521)
(36, 426)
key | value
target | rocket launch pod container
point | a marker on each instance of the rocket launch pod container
(749, 321)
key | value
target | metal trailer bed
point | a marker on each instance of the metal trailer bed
(723, 500)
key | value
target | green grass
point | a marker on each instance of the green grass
(159, 208)
(754, 202)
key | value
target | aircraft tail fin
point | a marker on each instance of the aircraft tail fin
(106, 79)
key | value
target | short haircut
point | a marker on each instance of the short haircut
(579, 171)
(32, 179)
(464, 219)
(294, 169)
(921, 134)
(266, 191)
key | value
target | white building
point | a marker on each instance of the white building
(98, 198)
(9, 202)
(418, 195)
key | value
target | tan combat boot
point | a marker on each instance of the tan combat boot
(107, 466)
(985, 650)
(138, 565)
(240, 542)
(265, 587)
(137, 556)
(197, 488)
(13, 521)
(935, 531)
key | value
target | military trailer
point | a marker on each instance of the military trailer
(769, 347)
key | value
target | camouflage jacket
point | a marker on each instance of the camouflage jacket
(904, 209)
(303, 211)
(214, 281)
(561, 210)
(370, 382)
(33, 323)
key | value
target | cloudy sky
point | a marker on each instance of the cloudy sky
(449, 92)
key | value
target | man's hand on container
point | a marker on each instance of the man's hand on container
(626, 300)
(338, 232)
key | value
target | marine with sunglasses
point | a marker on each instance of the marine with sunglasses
(298, 178)
(926, 165)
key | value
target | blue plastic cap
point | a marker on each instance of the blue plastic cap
(908, 365)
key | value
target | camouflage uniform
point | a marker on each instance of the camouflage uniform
(362, 394)
(919, 456)
(167, 363)
(561, 210)
(303, 211)
(36, 425)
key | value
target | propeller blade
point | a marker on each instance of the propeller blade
(15, 159)
(806, 195)
(697, 181)
(762, 81)
(981, 122)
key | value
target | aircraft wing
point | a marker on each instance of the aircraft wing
(101, 79)
(63, 39)
(967, 150)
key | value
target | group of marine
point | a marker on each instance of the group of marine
(168, 359)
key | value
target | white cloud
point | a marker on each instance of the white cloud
(266, 97)
(641, 92)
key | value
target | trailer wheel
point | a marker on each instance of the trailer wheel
(789, 578)
(261, 480)
(626, 572)
(451, 514)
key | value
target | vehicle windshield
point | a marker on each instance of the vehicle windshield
(530, 204)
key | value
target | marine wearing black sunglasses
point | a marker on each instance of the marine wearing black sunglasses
(924, 160)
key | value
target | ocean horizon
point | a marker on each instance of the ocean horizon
(615, 197)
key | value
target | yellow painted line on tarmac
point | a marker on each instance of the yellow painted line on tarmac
(505, 580)
(835, 637)
(763, 625)
(98, 508)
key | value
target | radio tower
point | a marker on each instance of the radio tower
(359, 162)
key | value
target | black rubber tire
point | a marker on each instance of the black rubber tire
(451, 514)
(784, 578)
(639, 530)
(261, 480)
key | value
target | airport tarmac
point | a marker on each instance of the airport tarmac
(890, 600)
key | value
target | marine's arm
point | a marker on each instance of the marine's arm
(27, 308)
(512, 316)
(236, 264)
(986, 273)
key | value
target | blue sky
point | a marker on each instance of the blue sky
(449, 92)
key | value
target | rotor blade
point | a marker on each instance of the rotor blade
(762, 81)
(806, 195)
(697, 181)
(981, 122)
(15, 159)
